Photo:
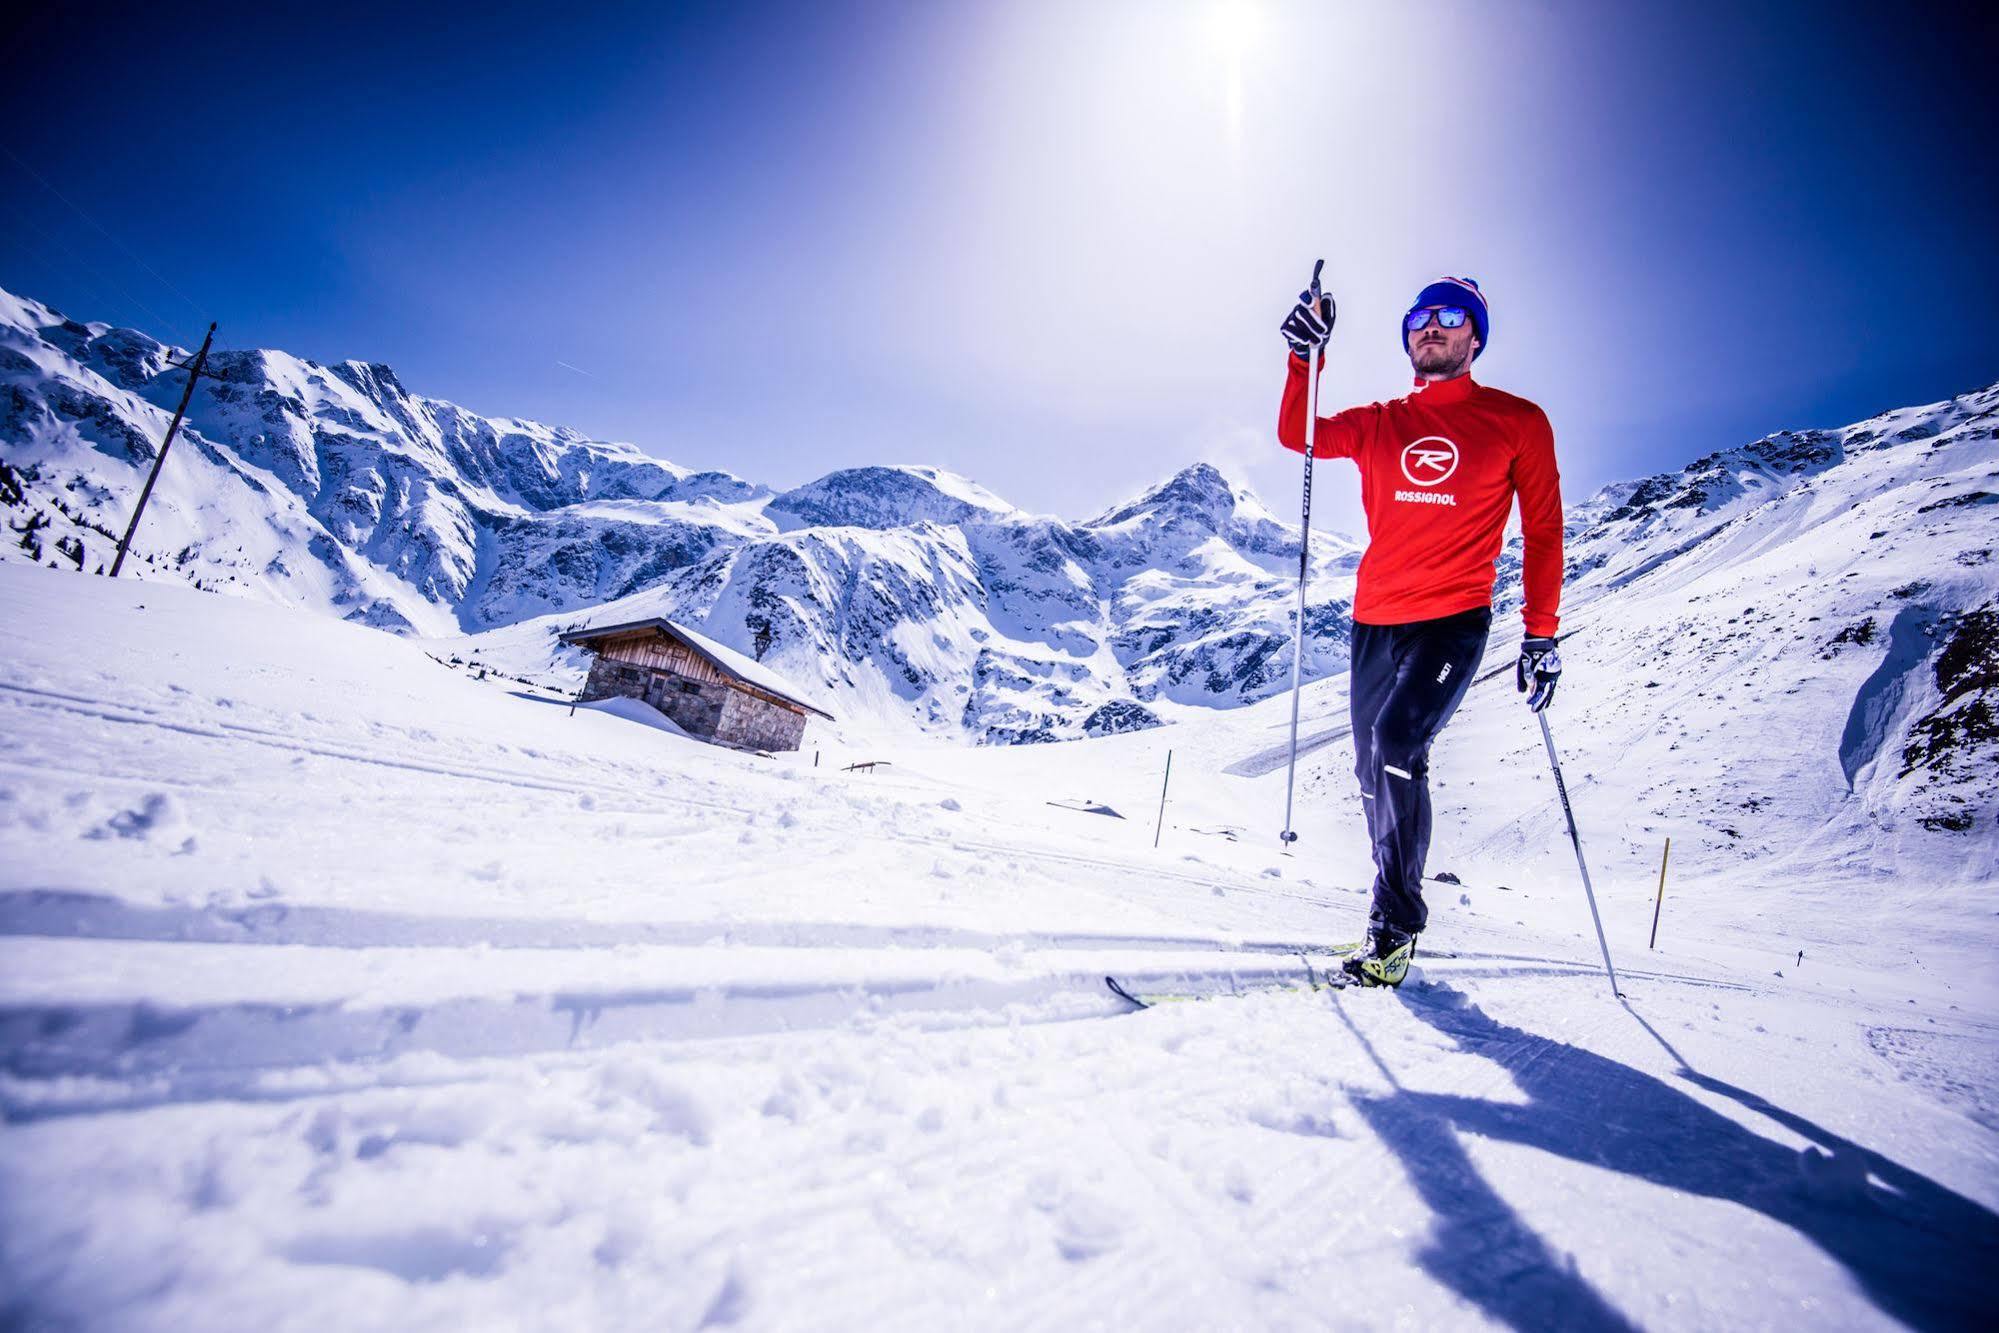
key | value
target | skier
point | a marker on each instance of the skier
(1439, 470)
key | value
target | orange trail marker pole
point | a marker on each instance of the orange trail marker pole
(1660, 901)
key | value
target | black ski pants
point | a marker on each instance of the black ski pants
(1406, 680)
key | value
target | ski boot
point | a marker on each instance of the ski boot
(1383, 960)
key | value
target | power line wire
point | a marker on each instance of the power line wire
(100, 275)
(40, 271)
(107, 234)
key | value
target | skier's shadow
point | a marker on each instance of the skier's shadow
(1921, 1252)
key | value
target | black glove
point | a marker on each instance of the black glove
(1310, 322)
(1541, 665)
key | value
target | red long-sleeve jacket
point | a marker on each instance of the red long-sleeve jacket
(1438, 473)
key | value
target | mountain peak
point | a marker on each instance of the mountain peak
(1199, 491)
(884, 497)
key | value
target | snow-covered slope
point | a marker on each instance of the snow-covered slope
(340, 988)
(1804, 628)
(330, 487)
(900, 596)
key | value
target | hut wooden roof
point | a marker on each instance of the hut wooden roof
(725, 660)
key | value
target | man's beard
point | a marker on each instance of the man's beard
(1436, 359)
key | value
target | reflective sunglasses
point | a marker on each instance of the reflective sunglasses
(1448, 316)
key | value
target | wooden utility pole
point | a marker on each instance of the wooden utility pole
(193, 373)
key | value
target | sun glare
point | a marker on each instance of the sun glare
(1231, 30)
(1233, 27)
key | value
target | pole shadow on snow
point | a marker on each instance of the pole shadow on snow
(1479, 1247)
(1918, 1250)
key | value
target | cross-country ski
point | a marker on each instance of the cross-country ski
(1310, 975)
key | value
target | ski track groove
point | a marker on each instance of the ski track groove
(1240, 882)
(229, 731)
(39, 770)
(205, 926)
(359, 1038)
(33, 912)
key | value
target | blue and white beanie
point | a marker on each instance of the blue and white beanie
(1454, 291)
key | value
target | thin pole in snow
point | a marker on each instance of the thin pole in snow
(1562, 790)
(1661, 900)
(1162, 799)
(193, 373)
(1313, 365)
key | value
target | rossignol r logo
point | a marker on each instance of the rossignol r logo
(1430, 460)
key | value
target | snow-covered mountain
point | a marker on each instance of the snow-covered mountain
(329, 487)
(1009, 626)
(1844, 572)
(891, 594)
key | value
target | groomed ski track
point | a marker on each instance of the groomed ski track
(273, 1006)
(338, 990)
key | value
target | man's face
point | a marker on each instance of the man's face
(1437, 351)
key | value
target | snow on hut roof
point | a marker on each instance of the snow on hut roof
(727, 660)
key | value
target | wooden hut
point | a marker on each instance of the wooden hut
(706, 690)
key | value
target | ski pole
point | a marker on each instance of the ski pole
(1562, 790)
(1313, 367)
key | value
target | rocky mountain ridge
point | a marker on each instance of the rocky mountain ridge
(1851, 566)
(899, 593)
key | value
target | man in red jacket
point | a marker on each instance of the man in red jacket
(1439, 470)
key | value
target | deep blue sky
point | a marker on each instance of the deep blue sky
(1046, 245)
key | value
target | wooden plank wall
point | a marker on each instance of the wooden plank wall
(653, 649)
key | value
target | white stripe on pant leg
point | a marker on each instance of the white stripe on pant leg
(1390, 768)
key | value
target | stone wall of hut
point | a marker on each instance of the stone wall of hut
(694, 706)
(760, 724)
(710, 709)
